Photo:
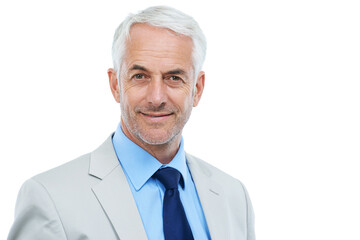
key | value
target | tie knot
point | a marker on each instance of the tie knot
(169, 177)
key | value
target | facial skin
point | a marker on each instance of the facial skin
(156, 92)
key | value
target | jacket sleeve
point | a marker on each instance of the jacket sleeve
(36, 217)
(250, 217)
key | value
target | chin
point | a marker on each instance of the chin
(156, 137)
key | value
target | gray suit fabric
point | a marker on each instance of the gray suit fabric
(90, 198)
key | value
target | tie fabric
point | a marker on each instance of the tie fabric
(175, 224)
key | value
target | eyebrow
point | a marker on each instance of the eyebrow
(138, 67)
(177, 71)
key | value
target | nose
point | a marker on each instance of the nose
(156, 92)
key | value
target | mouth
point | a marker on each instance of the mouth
(156, 117)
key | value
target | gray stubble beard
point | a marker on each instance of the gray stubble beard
(135, 129)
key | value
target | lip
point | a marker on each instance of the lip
(157, 114)
(156, 117)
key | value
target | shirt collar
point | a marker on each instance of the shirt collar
(139, 165)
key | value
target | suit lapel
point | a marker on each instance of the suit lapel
(212, 199)
(114, 194)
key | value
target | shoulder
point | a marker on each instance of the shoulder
(214, 173)
(74, 169)
(232, 191)
(202, 171)
(88, 168)
(39, 206)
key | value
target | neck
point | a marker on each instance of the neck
(164, 153)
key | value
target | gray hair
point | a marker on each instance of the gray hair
(162, 17)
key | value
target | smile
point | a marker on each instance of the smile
(156, 115)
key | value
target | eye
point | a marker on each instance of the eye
(138, 76)
(175, 78)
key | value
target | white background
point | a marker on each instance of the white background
(280, 111)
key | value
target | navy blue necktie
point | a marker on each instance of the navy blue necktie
(176, 226)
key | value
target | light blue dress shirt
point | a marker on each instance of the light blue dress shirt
(139, 166)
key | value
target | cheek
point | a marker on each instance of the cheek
(131, 97)
(182, 101)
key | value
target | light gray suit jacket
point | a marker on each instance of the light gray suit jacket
(90, 198)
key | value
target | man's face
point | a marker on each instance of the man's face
(156, 91)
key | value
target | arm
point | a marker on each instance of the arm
(36, 217)
(250, 217)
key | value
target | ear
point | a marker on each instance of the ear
(114, 86)
(199, 88)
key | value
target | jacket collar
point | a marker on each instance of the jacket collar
(103, 159)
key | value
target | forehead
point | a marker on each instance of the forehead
(157, 45)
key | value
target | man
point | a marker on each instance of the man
(140, 184)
